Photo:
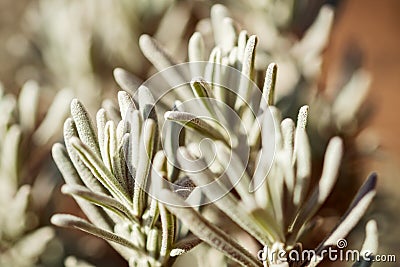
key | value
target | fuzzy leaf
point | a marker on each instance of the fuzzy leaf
(70, 221)
(99, 200)
(185, 245)
(71, 177)
(194, 123)
(352, 216)
(126, 80)
(84, 126)
(100, 171)
(208, 232)
(146, 148)
(228, 203)
(328, 179)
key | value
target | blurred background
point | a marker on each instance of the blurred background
(74, 45)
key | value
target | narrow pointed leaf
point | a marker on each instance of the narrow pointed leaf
(208, 232)
(194, 123)
(100, 171)
(328, 179)
(352, 216)
(84, 125)
(146, 147)
(99, 200)
(70, 221)
(71, 177)
(127, 81)
(185, 245)
(228, 203)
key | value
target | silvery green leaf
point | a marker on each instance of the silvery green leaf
(287, 129)
(99, 199)
(371, 242)
(101, 120)
(146, 103)
(52, 123)
(28, 101)
(353, 214)
(126, 80)
(301, 156)
(236, 172)
(196, 50)
(159, 58)
(202, 90)
(370, 246)
(276, 189)
(153, 51)
(8, 107)
(218, 14)
(100, 171)
(14, 223)
(84, 173)
(208, 232)
(68, 171)
(317, 35)
(124, 154)
(174, 137)
(185, 245)
(233, 61)
(168, 232)
(196, 124)
(269, 133)
(242, 41)
(303, 167)
(125, 103)
(112, 154)
(84, 126)
(269, 86)
(9, 156)
(153, 242)
(229, 36)
(148, 110)
(109, 144)
(228, 204)
(247, 73)
(132, 154)
(146, 147)
(123, 128)
(151, 215)
(328, 179)
(351, 98)
(213, 73)
(70, 221)
(302, 118)
(112, 111)
(64, 164)
(121, 169)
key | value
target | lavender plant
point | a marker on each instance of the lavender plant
(109, 171)
(106, 171)
(278, 213)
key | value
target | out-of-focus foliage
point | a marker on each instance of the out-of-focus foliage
(24, 136)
